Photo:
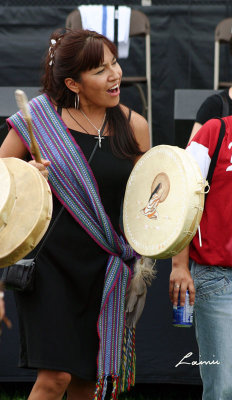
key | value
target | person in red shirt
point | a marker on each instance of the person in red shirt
(210, 281)
(216, 105)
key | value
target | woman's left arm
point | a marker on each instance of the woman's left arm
(141, 132)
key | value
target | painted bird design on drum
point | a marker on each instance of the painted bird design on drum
(159, 191)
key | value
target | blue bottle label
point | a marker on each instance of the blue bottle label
(183, 315)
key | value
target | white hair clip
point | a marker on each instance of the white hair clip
(51, 51)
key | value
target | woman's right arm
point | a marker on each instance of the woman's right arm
(13, 146)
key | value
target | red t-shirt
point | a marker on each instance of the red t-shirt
(216, 222)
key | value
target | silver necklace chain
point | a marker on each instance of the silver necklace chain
(99, 137)
(77, 121)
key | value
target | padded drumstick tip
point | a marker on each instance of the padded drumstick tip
(22, 103)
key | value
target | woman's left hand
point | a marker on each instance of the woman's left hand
(42, 167)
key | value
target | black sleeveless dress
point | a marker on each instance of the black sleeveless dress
(58, 320)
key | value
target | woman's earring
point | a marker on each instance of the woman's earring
(77, 101)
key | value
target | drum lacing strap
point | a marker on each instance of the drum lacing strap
(173, 253)
(206, 185)
(199, 208)
(203, 185)
(188, 233)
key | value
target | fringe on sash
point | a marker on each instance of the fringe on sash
(126, 378)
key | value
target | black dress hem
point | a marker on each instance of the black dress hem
(37, 366)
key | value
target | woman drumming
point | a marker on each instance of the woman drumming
(65, 320)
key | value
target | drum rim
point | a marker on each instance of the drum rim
(40, 223)
(6, 208)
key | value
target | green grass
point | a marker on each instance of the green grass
(15, 391)
(20, 391)
(5, 396)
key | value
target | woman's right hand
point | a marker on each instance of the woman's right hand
(42, 167)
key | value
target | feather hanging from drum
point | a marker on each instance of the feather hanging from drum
(144, 273)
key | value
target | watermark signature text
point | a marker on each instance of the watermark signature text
(200, 362)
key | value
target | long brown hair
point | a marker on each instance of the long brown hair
(72, 53)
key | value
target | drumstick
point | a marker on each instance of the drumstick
(22, 102)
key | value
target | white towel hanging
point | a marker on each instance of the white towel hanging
(101, 19)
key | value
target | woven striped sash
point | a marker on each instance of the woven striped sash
(73, 182)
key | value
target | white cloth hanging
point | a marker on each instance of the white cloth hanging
(101, 19)
(124, 14)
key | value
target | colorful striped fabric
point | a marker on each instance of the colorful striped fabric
(73, 182)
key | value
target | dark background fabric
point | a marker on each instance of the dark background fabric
(182, 54)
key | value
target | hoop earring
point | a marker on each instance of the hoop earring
(77, 101)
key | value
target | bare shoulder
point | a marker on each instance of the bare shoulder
(140, 128)
(13, 146)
